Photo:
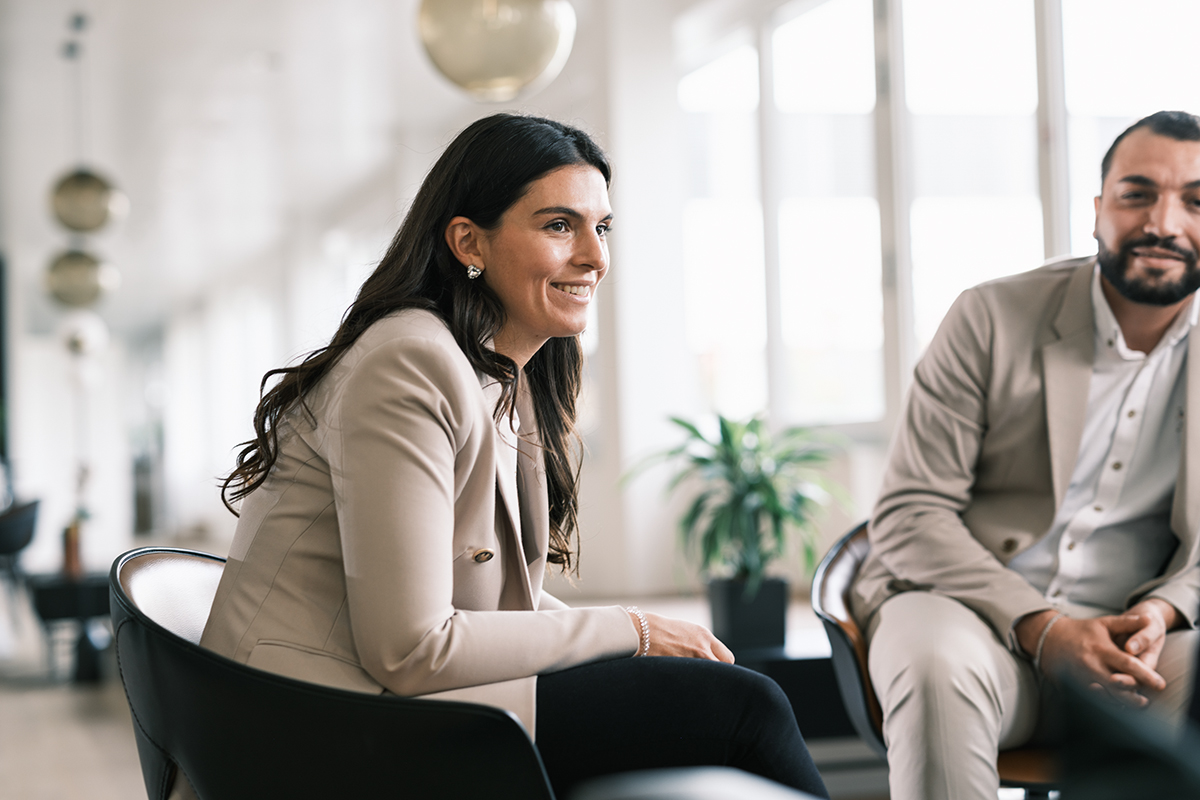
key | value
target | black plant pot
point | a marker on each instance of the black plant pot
(758, 623)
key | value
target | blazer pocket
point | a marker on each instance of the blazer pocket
(901, 585)
(312, 666)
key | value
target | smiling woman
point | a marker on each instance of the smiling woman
(545, 259)
(410, 482)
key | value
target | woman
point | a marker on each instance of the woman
(409, 483)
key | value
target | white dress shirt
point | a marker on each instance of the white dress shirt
(1112, 532)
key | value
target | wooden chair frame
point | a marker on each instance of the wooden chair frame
(1030, 768)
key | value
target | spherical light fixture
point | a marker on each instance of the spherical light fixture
(77, 279)
(84, 332)
(85, 202)
(496, 48)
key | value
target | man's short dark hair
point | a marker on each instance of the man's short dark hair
(1178, 125)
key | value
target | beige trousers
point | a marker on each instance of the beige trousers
(953, 695)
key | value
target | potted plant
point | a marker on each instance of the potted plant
(755, 491)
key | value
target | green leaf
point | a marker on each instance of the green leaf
(689, 427)
(687, 523)
(749, 492)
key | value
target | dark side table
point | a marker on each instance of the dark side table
(57, 598)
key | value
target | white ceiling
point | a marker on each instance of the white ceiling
(222, 120)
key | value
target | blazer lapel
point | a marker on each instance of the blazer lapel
(535, 501)
(507, 499)
(508, 508)
(1185, 511)
(1067, 374)
(531, 482)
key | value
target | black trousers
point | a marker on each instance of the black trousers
(652, 713)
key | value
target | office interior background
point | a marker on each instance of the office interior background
(801, 189)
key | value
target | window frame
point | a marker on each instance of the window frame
(710, 29)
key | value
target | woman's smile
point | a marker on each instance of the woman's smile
(580, 291)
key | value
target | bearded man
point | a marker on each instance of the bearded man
(1040, 509)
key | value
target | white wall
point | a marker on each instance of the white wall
(58, 418)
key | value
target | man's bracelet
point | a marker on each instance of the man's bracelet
(1037, 656)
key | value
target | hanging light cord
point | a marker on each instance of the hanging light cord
(72, 51)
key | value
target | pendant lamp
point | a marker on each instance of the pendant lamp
(82, 201)
(494, 49)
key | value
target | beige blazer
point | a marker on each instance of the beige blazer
(354, 564)
(987, 445)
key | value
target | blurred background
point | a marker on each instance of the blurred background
(789, 231)
(801, 190)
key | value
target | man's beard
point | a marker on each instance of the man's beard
(1115, 267)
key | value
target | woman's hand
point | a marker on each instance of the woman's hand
(674, 637)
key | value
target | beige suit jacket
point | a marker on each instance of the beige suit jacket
(985, 451)
(353, 566)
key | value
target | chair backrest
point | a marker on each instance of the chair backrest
(686, 783)
(238, 732)
(1194, 708)
(17, 525)
(848, 644)
(1032, 769)
(173, 587)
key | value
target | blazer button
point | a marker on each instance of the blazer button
(1009, 545)
(483, 554)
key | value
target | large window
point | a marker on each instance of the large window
(831, 303)
(856, 164)
(803, 236)
(972, 99)
(723, 286)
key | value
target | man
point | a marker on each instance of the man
(1040, 508)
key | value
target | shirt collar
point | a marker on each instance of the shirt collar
(1108, 330)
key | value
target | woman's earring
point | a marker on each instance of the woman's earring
(473, 272)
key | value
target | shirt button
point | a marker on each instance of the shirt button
(1009, 545)
(483, 554)
(1132, 413)
(1097, 508)
(1071, 546)
(1110, 342)
(1116, 465)
(1057, 593)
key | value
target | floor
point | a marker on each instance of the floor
(62, 741)
(59, 740)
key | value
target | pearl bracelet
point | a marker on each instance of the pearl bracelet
(644, 649)
(1037, 657)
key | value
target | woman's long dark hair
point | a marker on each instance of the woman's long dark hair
(485, 170)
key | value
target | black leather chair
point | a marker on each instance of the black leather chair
(688, 783)
(239, 732)
(17, 525)
(1030, 768)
